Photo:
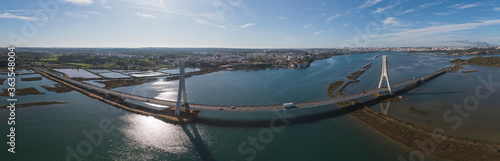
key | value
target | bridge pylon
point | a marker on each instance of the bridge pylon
(385, 74)
(181, 96)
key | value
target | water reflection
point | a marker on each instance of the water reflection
(151, 133)
(435, 93)
(166, 90)
(195, 138)
(386, 109)
(147, 132)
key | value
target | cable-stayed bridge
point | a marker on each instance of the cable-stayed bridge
(182, 100)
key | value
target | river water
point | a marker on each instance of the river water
(53, 132)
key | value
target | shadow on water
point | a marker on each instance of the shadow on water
(435, 93)
(301, 119)
(195, 138)
(311, 118)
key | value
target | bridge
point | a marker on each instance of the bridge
(183, 103)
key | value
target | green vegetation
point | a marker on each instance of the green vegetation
(469, 51)
(84, 65)
(52, 58)
(457, 61)
(22, 92)
(156, 58)
(58, 88)
(480, 60)
(487, 61)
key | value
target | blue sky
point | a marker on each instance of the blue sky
(249, 23)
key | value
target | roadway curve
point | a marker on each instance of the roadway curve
(249, 108)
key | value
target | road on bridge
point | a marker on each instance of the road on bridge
(246, 108)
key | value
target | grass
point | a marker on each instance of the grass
(52, 58)
(80, 64)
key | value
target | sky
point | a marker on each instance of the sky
(249, 23)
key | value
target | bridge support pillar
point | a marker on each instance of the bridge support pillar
(181, 96)
(385, 74)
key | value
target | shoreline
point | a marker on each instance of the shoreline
(436, 143)
(406, 133)
(338, 86)
(35, 104)
(433, 144)
(166, 115)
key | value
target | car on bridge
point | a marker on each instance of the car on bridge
(288, 105)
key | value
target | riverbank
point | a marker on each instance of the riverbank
(110, 84)
(339, 86)
(480, 60)
(31, 79)
(22, 92)
(58, 88)
(432, 142)
(166, 115)
(35, 104)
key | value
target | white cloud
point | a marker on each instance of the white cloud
(423, 6)
(496, 9)
(433, 30)
(429, 4)
(145, 15)
(247, 25)
(282, 18)
(209, 10)
(329, 19)
(331, 29)
(201, 21)
(391, 21)
(318, 32)
(442, 13)
(408, 11)
(464, 6)
(10, 15)
(369, 3)
(80, 14)
(205, 22)
(382, 9)
(290, 38)
(80, 2)
(366, 4)
(307, 26)
(345, 25)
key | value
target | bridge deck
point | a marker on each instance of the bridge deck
(246, 108)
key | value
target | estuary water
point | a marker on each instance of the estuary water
(61, 131)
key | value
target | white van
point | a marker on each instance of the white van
(288, 105)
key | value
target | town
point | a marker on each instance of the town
(227, 58)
